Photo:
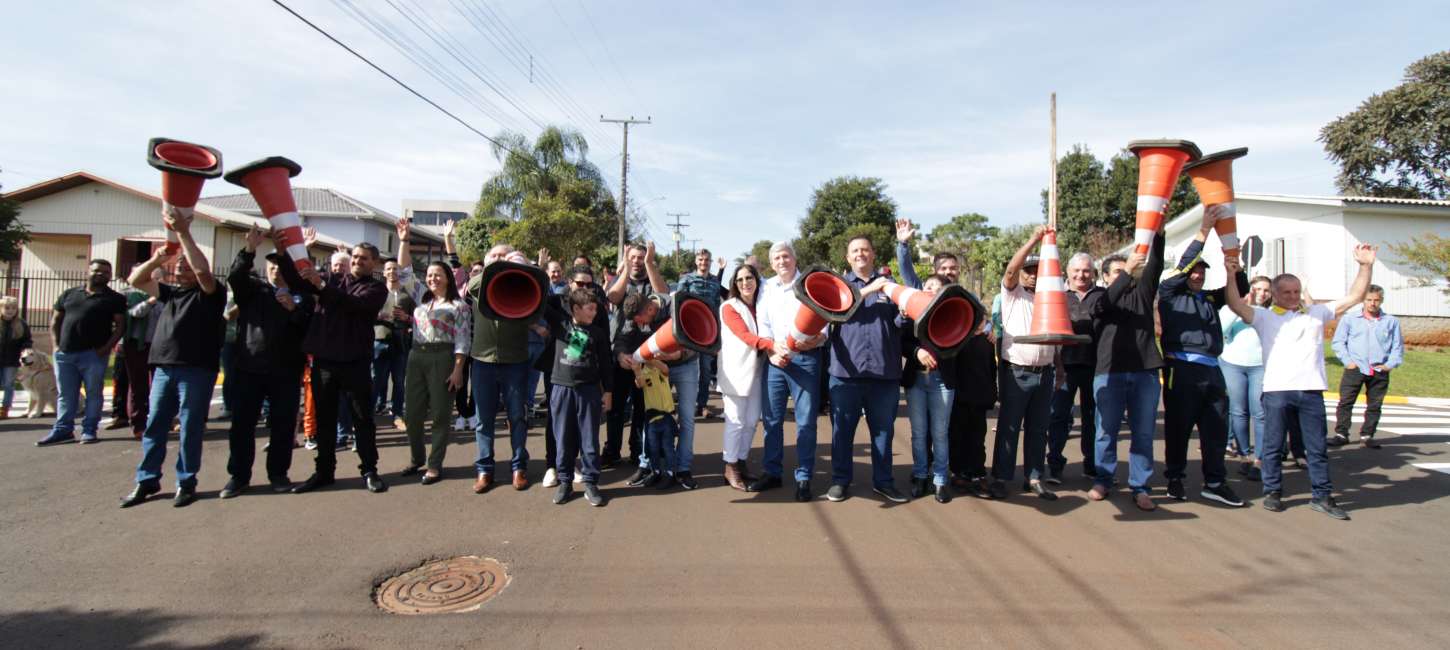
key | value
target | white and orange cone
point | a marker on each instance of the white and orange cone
(1159, 164)
(1213, 177)
(269, 182)
(1051, 324)
(185, 167)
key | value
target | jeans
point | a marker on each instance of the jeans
(1375, 387)
(1078, 385)
(1194, 395)
(800, 381)
(708, 365)
(71, 370)
(176, 388)
(1026, 406)
(576, 411)
(343, 385)
(390, 362)
(849, 398)
(7, 375)
(490, 381)
(1245, 385)
(344, 417)
(686, 379)
(252, 389)
(659, 441)
(929, 408)
(1307, 408)
(1136, 393)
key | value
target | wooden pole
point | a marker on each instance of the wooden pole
(1052, 187)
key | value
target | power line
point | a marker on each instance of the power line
(605, 46)
(677, 226)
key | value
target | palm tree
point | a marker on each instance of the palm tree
(557, 159)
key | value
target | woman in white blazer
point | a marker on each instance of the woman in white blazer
(742, 367)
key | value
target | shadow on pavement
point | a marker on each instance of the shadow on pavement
(67, 628)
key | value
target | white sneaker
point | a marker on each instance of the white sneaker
(460, 424)
(473, 423)
(551, 478)
(578, 476)
(311, 444)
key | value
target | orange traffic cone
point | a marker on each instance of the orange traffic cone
(1050, 322)
(184, 168)
(1159, 163)
(267, 180)
(512, 291)
(1213, 177)
(942, 322)
(692, 325)
(825, 298)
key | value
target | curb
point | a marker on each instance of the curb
(1399, 399)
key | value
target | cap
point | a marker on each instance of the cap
(1030, 262)
(274, 257)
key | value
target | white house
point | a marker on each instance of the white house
(344, 218)
(431, 214)
(1313, 238)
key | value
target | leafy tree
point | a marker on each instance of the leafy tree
(991, 256)
(883, 240)
(1395, 143)
(836, 207)
(566, 223)
(1081, 198)
(1121, 204)
(475, 235)
(960, 236)
(761, 251)
(1429, 254)
(13, 232)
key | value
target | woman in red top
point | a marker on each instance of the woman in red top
(741, 368)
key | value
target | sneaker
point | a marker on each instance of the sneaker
(1052, 475)
(310, 445)
(473, 423)
(639, 477)
(233, 488)
(890, 493)
(1273, 501)
(562, 494)
(89, 439)
(1369, 443)
(592, 495)
(460, 424)
(997, 490)
(551, 478)
(578, 477)
(55, 439)
(837, 493)
(666, 481)
(686, 480)
(1338, 440)
(1327, 506)
(1175, 489)
(1039, 489)
(1222, 494)
(280, 484)
(344, 444)
(653, 479)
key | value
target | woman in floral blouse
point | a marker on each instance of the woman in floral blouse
(442, 334)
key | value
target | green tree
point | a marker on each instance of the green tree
(761, 251)
(991, 256)
(1395, 143)
(836, 207)
(475, 235)
(566, 223)
(1081, 198)
(883, 241)
(13, 232)
(1429, 255)
(960, 236)
(1121, 206)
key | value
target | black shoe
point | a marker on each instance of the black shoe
(375, 483)
(1338, 440)
(592, 495)
(138, 495)
(1175, 489)
(429, 479)
(184, 497)
(410, 470)
(563, 493)
(943, 494)
(1255, 474)
(652, 479)
(312, 483)
(890, 494)
(765, 482)
(920, 487)
(1328, 507)
(1274, 502)
(686, 480)
(837, 492)
(1369, 443)
(1040, 489)
(666, 481)
(639, 477)
(803, 491)
(609, 462)
(1222, 494)
(997, 490)
(977, 488)
(233, 488)
(280, 484)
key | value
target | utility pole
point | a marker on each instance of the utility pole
(624, 174)
(677, 226)
(695, 245)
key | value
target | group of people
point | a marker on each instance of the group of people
(324, 345)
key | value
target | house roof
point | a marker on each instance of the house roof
(317, 202)
(207, 211)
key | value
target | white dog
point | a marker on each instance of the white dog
(37, 377)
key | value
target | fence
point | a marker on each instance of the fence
(37, 292)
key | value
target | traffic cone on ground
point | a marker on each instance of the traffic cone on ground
(942, 322)
(268, 181)
(1213, 177)
(825, 298)
(692, 325)
(185, 167)
(1050, 322)
(1159, 163)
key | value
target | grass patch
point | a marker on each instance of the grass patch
(1425, 372)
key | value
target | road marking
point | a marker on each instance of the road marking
(1443, 468)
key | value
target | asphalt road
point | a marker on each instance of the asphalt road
(716, 567)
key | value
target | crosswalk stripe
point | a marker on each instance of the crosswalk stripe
(1443, 468)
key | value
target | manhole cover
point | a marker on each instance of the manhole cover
(460, 584)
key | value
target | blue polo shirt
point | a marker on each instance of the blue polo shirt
(869, 345)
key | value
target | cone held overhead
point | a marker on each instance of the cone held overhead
(825, 298)
(185, 167)
(942, 322)
(512, 291)
(1051, 324)
(1213, 177)
(1159, 164)
(693, 325)
(269, 181)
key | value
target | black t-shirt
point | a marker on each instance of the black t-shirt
(89, 317)
(191, 327)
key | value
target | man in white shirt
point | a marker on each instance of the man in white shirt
(1292, 335)
(1024, 381)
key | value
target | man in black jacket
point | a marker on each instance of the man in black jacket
(271, 324)
(1193, 388)
(1075, 369)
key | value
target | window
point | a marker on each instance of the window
(436, 218)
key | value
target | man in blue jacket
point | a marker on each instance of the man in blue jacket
(1193, 387)
(1370, 345)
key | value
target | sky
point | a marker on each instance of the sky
(753, 104)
